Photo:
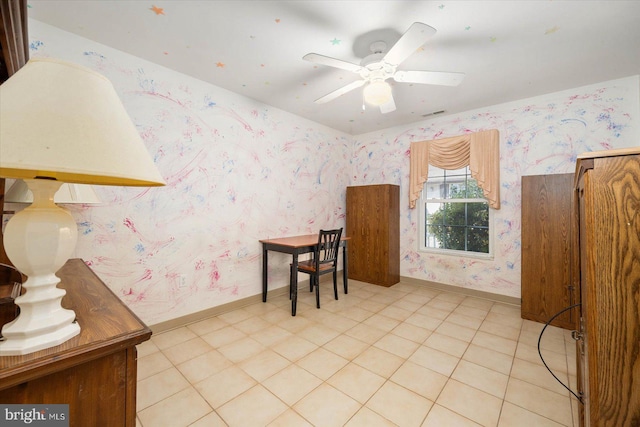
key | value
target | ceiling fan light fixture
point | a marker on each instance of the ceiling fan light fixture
(377, 92)
(381, 65)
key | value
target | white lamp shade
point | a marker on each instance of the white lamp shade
(67, 194)
(63, 121)
(377, 92)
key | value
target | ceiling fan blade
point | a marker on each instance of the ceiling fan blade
(388, 106)
(336, 93)
(332, 62)
(441, 78)
(417, 34)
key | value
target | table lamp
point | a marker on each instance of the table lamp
(59, 123)
(67, 194)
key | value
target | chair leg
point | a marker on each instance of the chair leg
(294, 300)
(317, 281)
(335, 284)
(345, 283)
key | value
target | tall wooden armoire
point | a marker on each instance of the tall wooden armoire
(373, 224)
(608, 214)
(546, 282)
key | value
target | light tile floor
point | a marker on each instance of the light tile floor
(404, 356)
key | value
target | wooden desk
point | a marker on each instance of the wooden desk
(95, 371)
(295, 246)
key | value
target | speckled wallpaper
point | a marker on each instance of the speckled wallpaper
(238, 171)
(541, 135)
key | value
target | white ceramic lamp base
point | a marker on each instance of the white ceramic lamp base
(39, 240)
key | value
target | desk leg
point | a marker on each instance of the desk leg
(345, 267)
(264, 272)
(293, 283)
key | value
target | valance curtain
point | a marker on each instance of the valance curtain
(479, 150)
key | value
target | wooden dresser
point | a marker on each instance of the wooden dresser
(608, 265)
(94, 372)
(373, 224)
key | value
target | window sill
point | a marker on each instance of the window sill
(457, 254)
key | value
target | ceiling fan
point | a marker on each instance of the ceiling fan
(379, 66)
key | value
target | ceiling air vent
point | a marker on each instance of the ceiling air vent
(433, 113)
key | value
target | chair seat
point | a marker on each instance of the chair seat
(309, 265)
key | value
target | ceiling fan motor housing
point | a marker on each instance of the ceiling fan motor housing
(374, 67)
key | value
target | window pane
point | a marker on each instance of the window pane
(434, 213)
(473, 191)
(456, 189)
(454, 213)
(434, 189)
(451, 184)
(478, 240)
(455, 238)
(435, 172)
(432, 236)
(478, 214)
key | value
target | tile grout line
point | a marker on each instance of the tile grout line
(388, 377)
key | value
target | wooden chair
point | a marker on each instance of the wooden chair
(323, 261)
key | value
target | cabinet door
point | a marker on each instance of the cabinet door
(373, 225)
(97, 391)
(393, 236)
(546, 248)
(357, 229)
(610, 248)
(377, 229)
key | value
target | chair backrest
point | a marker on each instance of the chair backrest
(328, 243)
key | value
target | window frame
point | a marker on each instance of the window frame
(422, 212)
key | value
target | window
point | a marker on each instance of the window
(454, 215)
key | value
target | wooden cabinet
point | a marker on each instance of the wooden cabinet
(94, 372)
(608, 203)
(546, 249)
(373, 224)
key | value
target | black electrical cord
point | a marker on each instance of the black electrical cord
(542, 358)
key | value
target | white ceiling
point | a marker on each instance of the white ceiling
(509, 50)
